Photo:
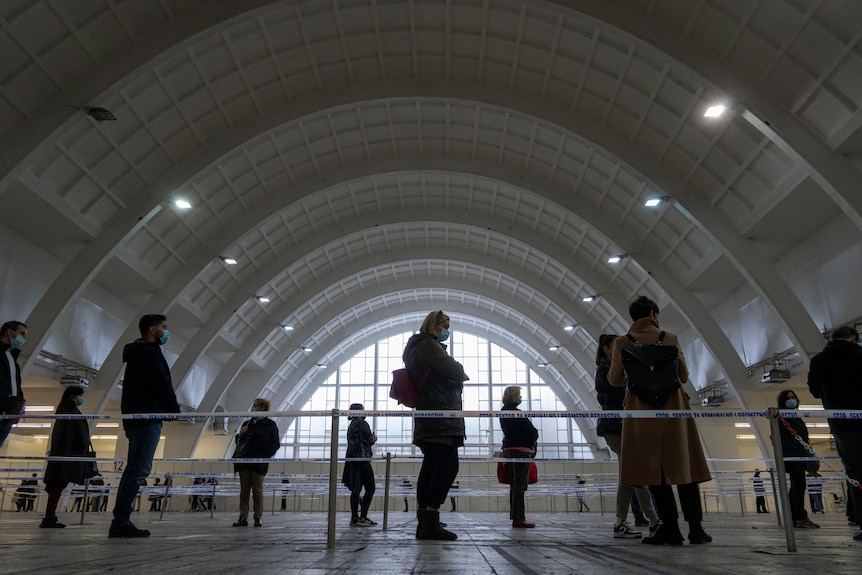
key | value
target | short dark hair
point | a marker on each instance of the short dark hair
(782, 397)
(604, 339)
(13, 325)
(845, 332)
(150, 320)
(642, 307)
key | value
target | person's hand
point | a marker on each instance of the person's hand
(373, 438)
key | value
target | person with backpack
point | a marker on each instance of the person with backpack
(358, 472)
(659, 452)
(438, 437)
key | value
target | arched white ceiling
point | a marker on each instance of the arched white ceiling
(519, 138)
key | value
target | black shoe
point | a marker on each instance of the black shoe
(699, 538)
(257, 523)
(664, 535)
(51, 523)
(127, 531)
(241, 522)
(642, 523)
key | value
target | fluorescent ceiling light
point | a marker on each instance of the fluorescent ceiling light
(653, 202)
(742, 425)
(182, 204)
(554, 348)
(287, 327)
(40, 409)
(321, 366)
(590, 298)
(715, 111)
(107, 425)
(306, 349)
(745, 436)
(32, 425)
(262, 299)
(228, 261)
(569, 327)
(615, 259)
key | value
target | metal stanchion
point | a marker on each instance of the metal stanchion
(775, 496)
(85, 503)
(789, 533)
(386, 491)
(333, 481)
(741, 503)
(168, 482)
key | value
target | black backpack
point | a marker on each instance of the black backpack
(652, 370)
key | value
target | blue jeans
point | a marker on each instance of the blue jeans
(5, 430)
(143, 440)
(849, 444)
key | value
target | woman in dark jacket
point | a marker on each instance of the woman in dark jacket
(790, 447)
(69, 438)
(257, 439)
(440, 386)
(359, 474)
(519, 442)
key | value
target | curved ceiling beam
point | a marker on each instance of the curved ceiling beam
(832, 171)
(95, 254)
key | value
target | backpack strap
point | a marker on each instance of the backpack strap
(661, 338)
(635, 342)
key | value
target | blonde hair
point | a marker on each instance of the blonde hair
(432, 320)
(511, 393)
(264, 402)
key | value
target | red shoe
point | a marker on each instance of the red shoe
(523, 524)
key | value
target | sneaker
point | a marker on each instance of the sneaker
(624, 531)
(127, 531)
(257, 523)
(241, 522)
(806, 524)
(365, 522)
(857, 536)
(354, 521)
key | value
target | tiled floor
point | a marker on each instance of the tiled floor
(296, 543)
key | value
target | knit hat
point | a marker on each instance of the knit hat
(356, 407)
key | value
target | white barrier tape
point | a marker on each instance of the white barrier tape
(615, 414)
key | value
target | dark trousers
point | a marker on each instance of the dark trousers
(519, 474)
(437, 474)
(760, 501)
(689, 500)
(796, 470)
(849, 446)
(55, 491)
(364, 478)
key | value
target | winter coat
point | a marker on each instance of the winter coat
(259, 441)
(835, 377)
(6, 383)
(442, 390)
(518, 431)
(653, 446)
(147, 386)
(69, 438)
(358, 446)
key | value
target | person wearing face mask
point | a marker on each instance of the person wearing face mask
(439, 438)
(519, 442)
(257, 438)
(147, 388)
(12, 337)
(359, 475)
(790, 429)
(69, 438)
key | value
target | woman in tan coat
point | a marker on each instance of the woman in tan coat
(661, 452)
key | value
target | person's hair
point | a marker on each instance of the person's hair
(606, 339)
(356, 407)
(150, 320)
(845, 332)
(642, 307)
(263, 401)
(782, 397)
(68, 394)
(432, 320)
(510, 394)
(13, 325)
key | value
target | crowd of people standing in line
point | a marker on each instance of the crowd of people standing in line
(655, 454)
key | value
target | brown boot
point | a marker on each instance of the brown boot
(430, 529)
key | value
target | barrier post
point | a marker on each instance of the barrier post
(741, 503)
(775, 504)
(789, 533)
(386, 491)
(333, 481)
(168, 481)
(86, 501)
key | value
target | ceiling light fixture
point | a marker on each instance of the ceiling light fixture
(228, 261)
(570, 327)
(657, 201)
(715, 111)
(544, 364)
(100, 114)
(617, 259)
(321, 366)
(262, 299)
(306, 349)
(287, 327)
(590, 298)
(554, 348)
(182, 204)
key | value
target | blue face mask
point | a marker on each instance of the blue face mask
(17, 342)
(163, 339)
(791, 404)
(444, 335)
(80, 400)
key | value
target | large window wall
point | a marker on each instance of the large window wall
(365, 379)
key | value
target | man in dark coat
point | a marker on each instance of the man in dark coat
(12, 336)
(835, 377)
(147, 388)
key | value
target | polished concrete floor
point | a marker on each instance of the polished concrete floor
(296, 543)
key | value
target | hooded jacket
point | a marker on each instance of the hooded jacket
(835, 377)
(442, 390)
(147, 385)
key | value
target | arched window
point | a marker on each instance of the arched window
(365, 379)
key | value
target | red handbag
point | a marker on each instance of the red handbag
(503, 473)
